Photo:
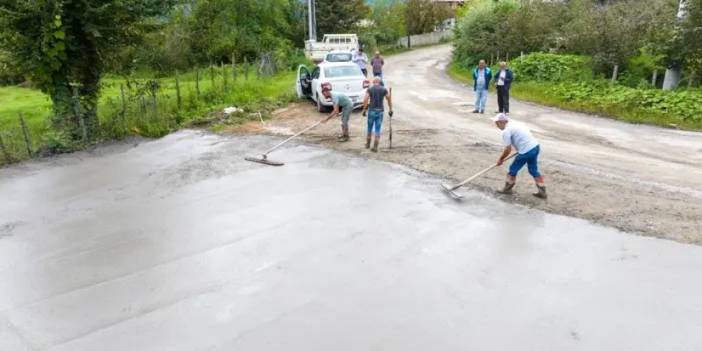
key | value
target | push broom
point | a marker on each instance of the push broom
(264, 157)
(450, 188)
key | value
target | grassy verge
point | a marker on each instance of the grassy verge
(632, 105)
(150, 107)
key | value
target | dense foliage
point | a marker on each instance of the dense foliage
(386, 23)
(681, 106)
(640, 36)
(339, 16)
(212, 31)
(422, 16)
(552, 67)
(64, 45)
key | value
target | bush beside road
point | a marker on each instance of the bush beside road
(678, 109)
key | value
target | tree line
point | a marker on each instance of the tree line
(634, 38)
(65, 47)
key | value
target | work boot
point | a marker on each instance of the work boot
(375, 145)
(368, 140)
(507, 190)
(344, 135)
(541, 194)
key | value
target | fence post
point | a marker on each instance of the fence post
(233, 69)
(246, 68)
(654, 78)
(143, 104)
(123, 112)
(224, 75)
(5, 153)
(259, 68)
(79, 116)
(212, 78)
(178, 98)
(197, 83)
(154, 97)
(25, 132)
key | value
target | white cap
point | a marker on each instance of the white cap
(501, 117)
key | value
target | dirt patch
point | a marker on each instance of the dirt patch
(628, 206)
(637, 178)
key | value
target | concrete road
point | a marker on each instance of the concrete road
(179, 244)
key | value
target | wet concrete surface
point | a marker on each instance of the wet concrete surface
(180, 244)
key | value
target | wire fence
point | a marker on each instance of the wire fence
(148, 107)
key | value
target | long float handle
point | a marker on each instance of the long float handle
(480, 173)
(292, 137)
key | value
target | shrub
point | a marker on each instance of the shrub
(552, 67)
(685, 105)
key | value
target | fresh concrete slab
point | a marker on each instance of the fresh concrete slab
(180, 244)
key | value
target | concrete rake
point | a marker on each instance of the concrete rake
(264, 157)
(449, 189)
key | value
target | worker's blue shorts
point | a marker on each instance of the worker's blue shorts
(375, 121)
(530, 158)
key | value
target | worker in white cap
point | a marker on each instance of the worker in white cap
(520, 138)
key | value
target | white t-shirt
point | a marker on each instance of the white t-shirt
(518, 136)
(501, 78)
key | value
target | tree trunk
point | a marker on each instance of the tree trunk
(673, 74)
(672, 77)
(62, 118)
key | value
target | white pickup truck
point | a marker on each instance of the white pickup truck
(317, 50)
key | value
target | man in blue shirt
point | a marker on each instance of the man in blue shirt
(481, 81)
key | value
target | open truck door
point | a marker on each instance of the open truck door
(303, 85)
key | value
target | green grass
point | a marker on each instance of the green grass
(631, 111)
(33, 105)
(142, 116)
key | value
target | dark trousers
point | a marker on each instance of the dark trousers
(503, 99)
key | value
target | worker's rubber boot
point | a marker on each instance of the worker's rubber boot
(344, 135)
(541, 194)
(368, 140)
(507, 190)
(375, 145)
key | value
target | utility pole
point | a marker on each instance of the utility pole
(312, 20)
(672, 73)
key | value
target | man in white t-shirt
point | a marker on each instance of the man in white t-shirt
(519, 138)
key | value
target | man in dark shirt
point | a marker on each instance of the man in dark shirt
(375, 96)
(377, 63)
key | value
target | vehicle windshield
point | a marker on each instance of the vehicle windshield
(342, 71)
(339, 57)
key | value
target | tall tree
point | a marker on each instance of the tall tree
(63, 46)
(422, 16)
(339, 16)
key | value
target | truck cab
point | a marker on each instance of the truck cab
(317, 50)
